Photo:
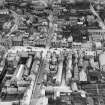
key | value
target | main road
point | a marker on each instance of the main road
(37, 86)
(101, 23)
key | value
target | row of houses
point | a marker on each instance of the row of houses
(20, 41)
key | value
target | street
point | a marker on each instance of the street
(101, 23)
(37, 86)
